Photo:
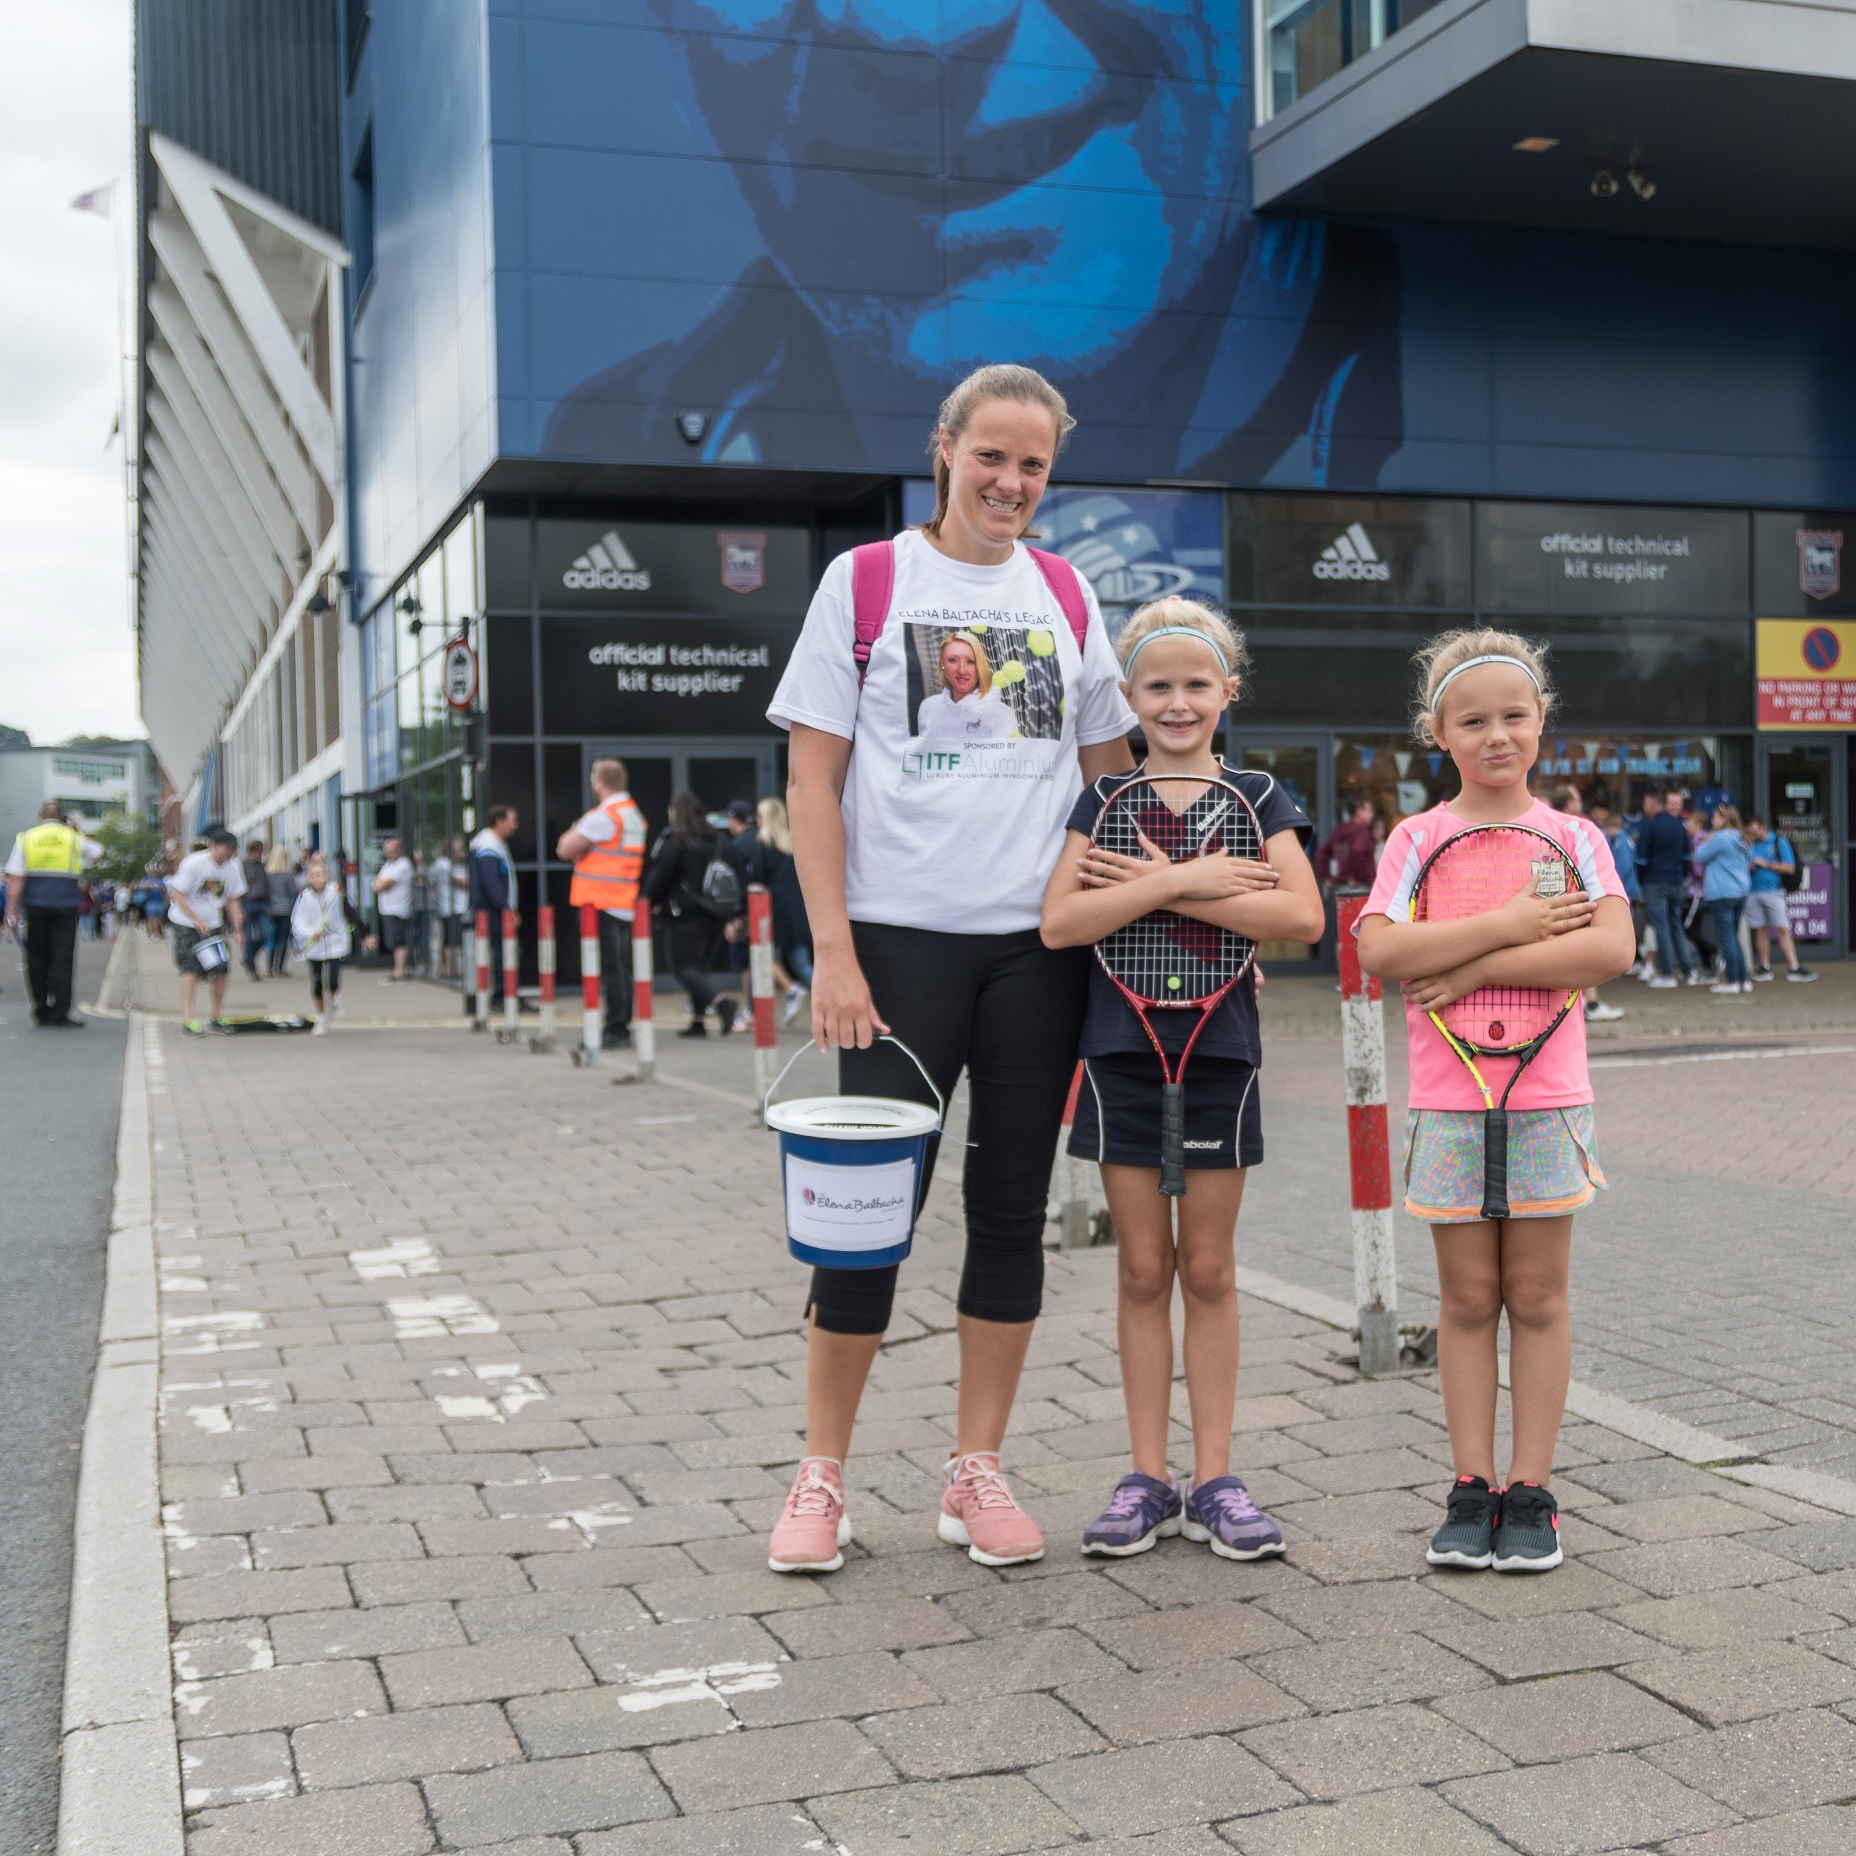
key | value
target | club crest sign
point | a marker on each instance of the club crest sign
(1820, 561)
(744, 560)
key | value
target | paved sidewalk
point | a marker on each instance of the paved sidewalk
(481, 1386)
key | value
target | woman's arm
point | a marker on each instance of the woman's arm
(1411, 950)
(1102, 757)
(844, 1016)
(1583, 957)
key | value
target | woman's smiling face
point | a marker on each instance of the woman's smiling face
(959, 670)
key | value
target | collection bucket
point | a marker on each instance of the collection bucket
(852, 1169)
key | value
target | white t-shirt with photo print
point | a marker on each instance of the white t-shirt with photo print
(958, 836)
(205, 886)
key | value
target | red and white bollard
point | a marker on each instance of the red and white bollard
(512, 969)
(543, 1040)
(1363, 1050)
(644, 1027)
(760, 988)
(1073, 1218)
(481, 935)
(592, 1028)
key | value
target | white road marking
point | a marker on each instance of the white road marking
(1719, 1056)
(404, 1256)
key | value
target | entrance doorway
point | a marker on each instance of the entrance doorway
(716, 769)
(1803, 793)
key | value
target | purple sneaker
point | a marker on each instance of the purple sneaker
(1221, 1513)
(1139, 1512)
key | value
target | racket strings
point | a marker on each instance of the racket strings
(1167, 958)
(1476, 872)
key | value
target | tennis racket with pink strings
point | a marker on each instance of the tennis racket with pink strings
(1472, 873)
(1163, 962)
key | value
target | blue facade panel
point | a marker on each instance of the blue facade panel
(800, 221)
(421, 412)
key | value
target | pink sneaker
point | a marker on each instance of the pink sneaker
(979, 1513)
(813, 1529)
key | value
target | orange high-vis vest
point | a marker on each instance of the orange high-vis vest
(609, 874)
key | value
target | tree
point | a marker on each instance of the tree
(130, 845)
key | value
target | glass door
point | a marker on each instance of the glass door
(1803, 780)
(1302, 765)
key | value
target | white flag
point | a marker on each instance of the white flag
(97, 200)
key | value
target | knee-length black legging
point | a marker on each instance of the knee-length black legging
(1008, 1010)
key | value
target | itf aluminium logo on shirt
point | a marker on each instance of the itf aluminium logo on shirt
(1351, 556)
(607, 566)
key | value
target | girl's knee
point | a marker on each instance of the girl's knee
(1474, 1303)
(1209, 1278)
(1536, 1304)
(1145, 1279)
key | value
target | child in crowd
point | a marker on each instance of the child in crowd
(1181, 669)
(320, 931)
(1484, 699)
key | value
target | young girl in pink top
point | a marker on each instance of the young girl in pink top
(1484, 700)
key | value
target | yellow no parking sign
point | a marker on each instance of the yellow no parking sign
(1806, 671)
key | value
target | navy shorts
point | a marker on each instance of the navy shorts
(393, 933)
(1118, 1112)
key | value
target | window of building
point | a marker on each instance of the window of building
(1305, 42)
(89, 772)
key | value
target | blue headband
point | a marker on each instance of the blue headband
(1175, 631)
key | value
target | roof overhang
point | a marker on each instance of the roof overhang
(239, 478)
(1738, 117)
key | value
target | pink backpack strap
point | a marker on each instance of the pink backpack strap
(873, 580)
(1061, 578)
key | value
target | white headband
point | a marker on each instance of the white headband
(1175, 631)
(1470, 663)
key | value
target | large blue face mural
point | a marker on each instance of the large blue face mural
(940, 183)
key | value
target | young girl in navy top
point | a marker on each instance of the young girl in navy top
(1181, 665)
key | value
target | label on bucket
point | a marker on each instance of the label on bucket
(849, 1207)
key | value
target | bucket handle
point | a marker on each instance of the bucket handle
(940, 1105)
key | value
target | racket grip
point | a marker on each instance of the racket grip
(1495, 1163)
(1173, 1140)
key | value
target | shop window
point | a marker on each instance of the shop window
(509, 673)
(1391, 770)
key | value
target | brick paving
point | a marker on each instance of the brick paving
(482, 1382)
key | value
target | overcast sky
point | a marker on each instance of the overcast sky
(67, 658)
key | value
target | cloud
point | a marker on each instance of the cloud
(67, 657)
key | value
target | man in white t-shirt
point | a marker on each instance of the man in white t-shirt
(203, 899)
(393, 898)
(441, 891)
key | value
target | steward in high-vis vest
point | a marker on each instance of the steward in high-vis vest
(606, 848)
(43, 892)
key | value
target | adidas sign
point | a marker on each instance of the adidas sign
(607, 566)
(1351, 557)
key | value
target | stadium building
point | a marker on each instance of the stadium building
(609, 324)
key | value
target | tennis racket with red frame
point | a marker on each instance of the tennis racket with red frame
(1478, 870)
(1163, 962)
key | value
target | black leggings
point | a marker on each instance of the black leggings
(1007, 1010)
(325, 977)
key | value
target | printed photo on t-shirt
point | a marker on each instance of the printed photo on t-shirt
(977, 683)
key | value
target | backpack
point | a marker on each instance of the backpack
(721, 888)
(873, 581)
(1792, 879)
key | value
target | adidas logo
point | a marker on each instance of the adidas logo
(1351, 557)
(607, 566)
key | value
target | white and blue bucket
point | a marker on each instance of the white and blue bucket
(852, 1167)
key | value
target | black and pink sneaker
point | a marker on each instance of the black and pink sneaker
(1467, 1537)
(1527, 1534)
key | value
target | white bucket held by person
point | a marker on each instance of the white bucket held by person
(852, 1168)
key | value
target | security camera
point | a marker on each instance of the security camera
(1641, 184)
(1604, 183)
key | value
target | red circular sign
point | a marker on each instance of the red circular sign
(460, 668)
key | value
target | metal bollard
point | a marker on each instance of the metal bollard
(481, 935)
(591, 1017)
(1363, 1046)
(543, 1040)
(644, 1026)
(760, 988)
(512, 970)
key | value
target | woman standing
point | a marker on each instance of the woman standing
(923, 867)
(792, 934)
(673, 884)
(1726, 865)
